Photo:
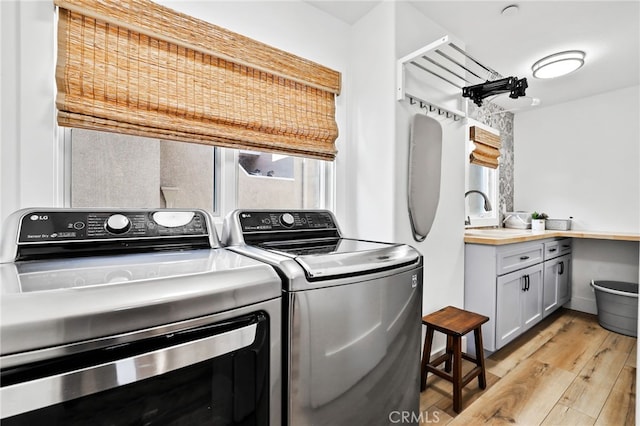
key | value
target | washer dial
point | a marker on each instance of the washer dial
(287, 220)
(118, 224)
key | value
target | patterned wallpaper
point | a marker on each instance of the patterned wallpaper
(494, 116)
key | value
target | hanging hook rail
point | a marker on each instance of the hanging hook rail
(432, 107)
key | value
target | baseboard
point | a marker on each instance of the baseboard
(583, 304)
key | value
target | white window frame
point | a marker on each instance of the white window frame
(227, 195)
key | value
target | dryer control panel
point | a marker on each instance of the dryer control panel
(272, 220)
(42, 226)
(46, 233)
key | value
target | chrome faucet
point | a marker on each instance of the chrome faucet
(487, 203)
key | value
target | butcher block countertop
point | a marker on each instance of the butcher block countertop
(500, 236)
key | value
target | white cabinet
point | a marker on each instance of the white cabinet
(519, 301)
(516, 285)
(557, 275)
(564, 280)
(550, 300)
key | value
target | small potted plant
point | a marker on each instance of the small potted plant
(538, 221)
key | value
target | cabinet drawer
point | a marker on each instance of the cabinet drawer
(557, 248)
(518, 257)
(565, 246)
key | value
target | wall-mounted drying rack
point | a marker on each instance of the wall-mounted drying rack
(432, 107)
(446, 63)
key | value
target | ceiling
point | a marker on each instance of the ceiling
(607, 31)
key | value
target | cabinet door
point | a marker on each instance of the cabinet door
(564, 279)
(531, 298)
(519, 303)
(508, 315)
(550, 287)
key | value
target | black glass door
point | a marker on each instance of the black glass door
(231, 388)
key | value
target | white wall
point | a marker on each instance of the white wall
(371, 151)
(443, 249)
(29, 152)
(600, 260)
(378, 151)
(582, 159)
(2, 72)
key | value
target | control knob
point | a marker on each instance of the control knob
(287, 220)
(118, 224)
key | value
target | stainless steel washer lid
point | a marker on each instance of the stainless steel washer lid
(55, 302)
(349, 257)
(307, 248)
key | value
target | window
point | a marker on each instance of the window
(122, 68)
(114, 170)
(122, 171)
(281, 181)
(481, 181)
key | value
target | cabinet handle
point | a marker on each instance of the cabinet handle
(566, 246)
(525, 280)
(553, 249)
(528, 282)
(561, 266)
(524, 257)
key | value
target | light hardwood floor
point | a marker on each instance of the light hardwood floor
(567, 370)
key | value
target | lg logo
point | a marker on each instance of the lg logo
(38, 217)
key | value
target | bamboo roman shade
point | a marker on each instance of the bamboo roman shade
(135, 67)
(487, 147)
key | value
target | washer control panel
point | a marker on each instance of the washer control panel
(78, 225)
(268, 221)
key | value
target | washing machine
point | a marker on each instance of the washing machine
(351, 316)
(119, 317)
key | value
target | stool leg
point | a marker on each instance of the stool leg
(482, 378)
(457, 373)
(447, 363)
(426, 354)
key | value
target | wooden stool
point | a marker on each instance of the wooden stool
(455, 323)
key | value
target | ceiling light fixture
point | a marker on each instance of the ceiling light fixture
(558, 64)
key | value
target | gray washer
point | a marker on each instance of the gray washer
(351, 312)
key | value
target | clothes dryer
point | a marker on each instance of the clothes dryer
(134, 317)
